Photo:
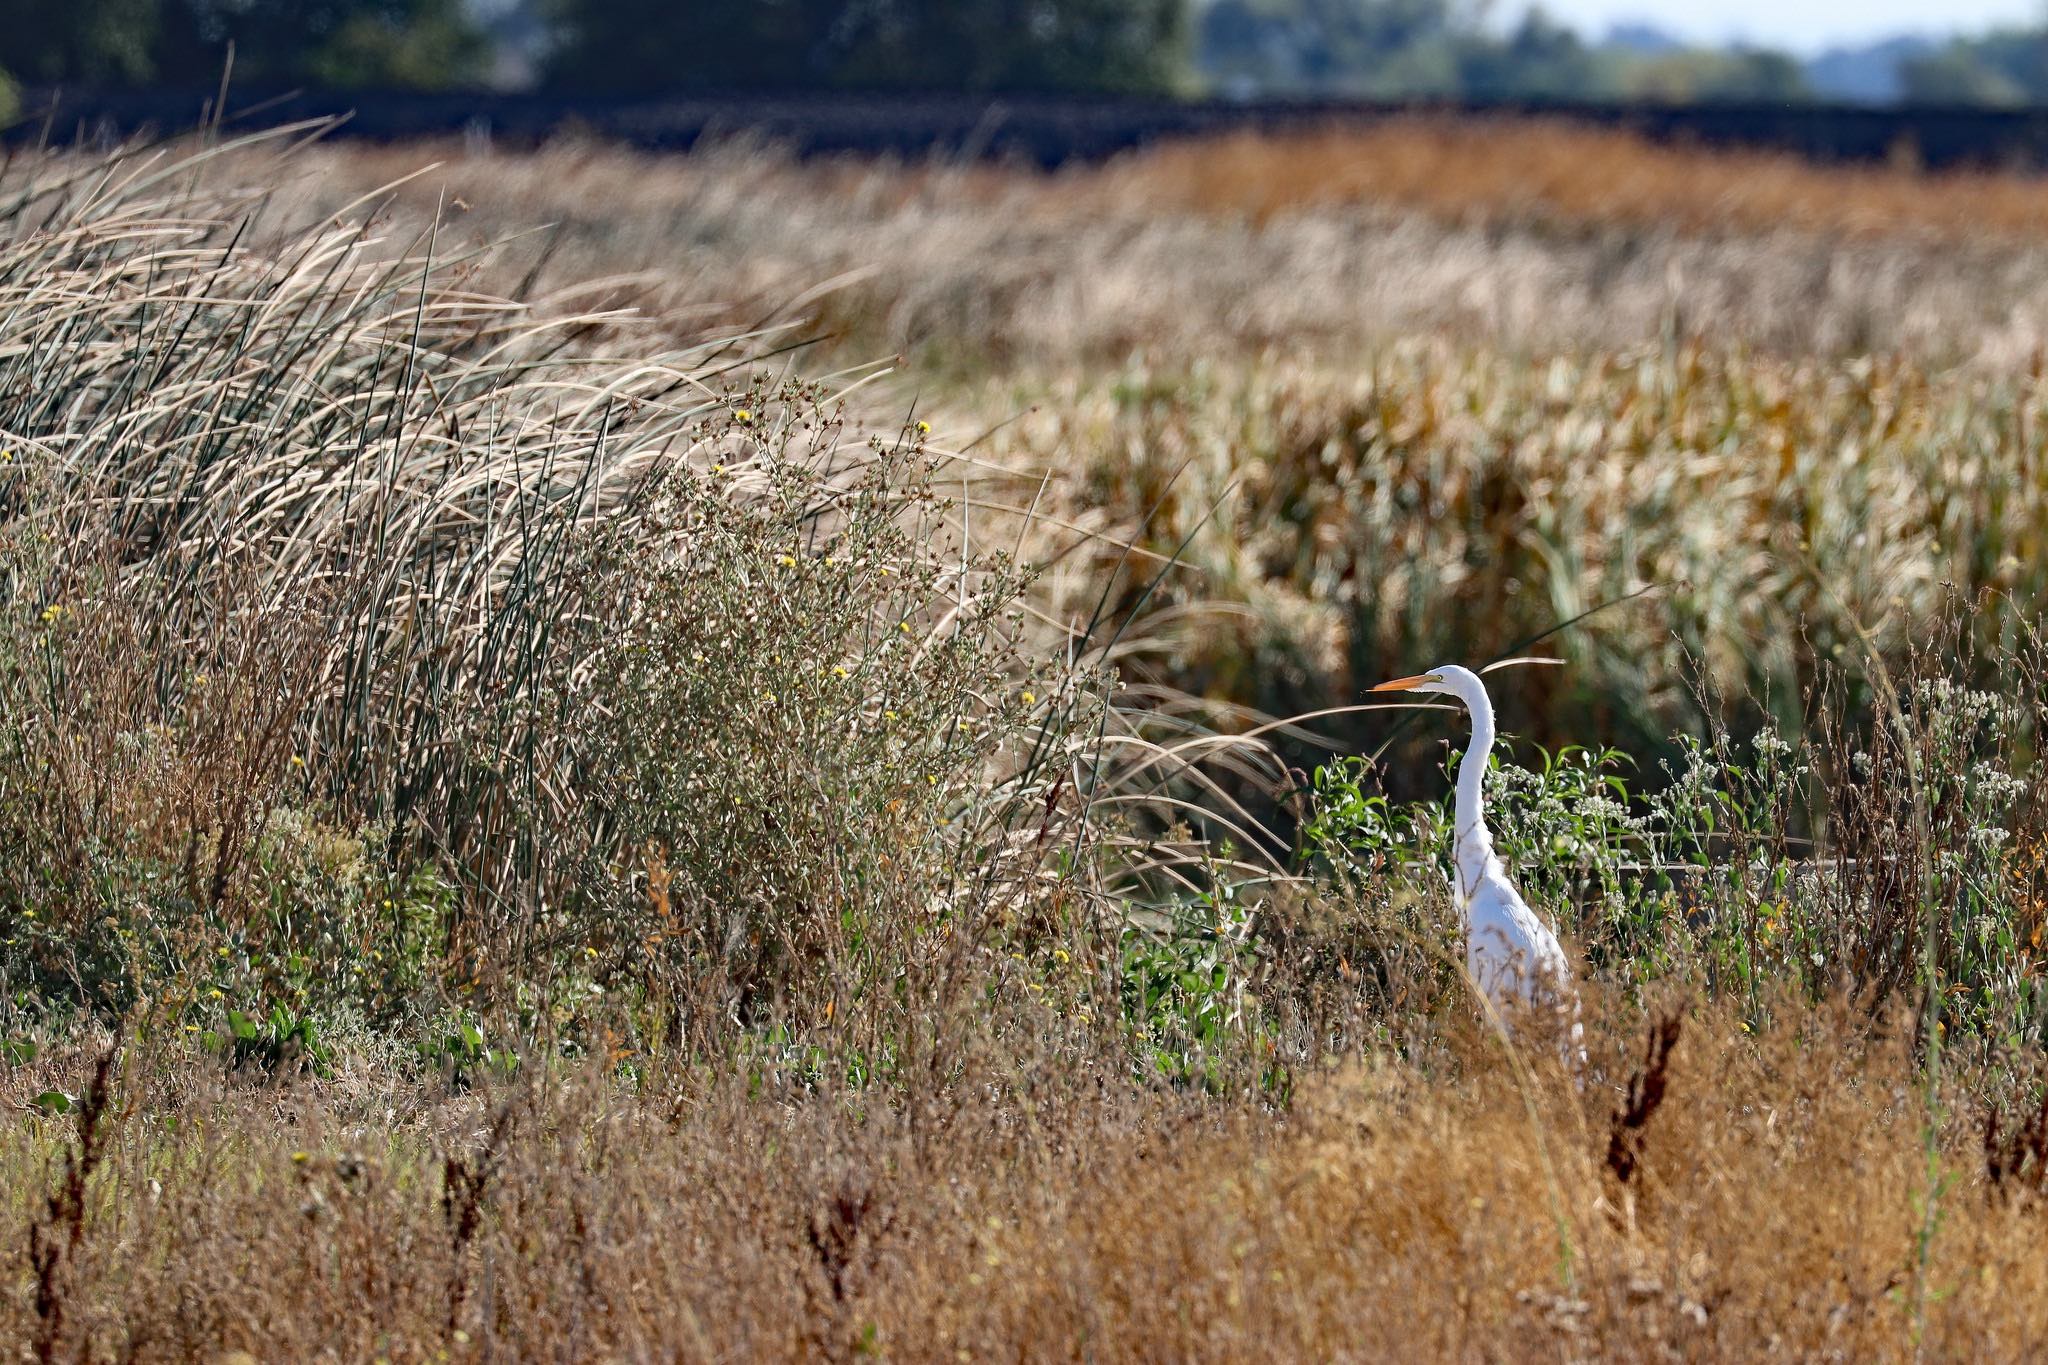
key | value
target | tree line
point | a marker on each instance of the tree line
(1390, 49)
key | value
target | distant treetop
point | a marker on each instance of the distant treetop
(1406, 49)
(421, 44)
(2004, 67)
(648, 46)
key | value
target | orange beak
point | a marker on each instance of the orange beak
(1406, 684)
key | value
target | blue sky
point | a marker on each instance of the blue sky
(1803, 25)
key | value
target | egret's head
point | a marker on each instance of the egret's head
(1421, 682)
(1448, 678)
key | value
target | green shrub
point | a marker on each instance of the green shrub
(790, 731)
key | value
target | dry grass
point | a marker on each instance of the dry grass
(1441, 503)
(1571, 177)
(1213, 250)
(1461, 1213)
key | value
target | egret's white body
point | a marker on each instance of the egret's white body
(1513, 957)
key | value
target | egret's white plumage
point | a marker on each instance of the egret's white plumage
(1512, 956)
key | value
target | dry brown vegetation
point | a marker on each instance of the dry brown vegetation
(1459, 1212)
(1528, 239)
(541, 817)
(1572, 177)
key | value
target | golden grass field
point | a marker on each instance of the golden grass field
(1460, 1211)
(622, 757)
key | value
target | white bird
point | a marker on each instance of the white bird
(1512, 956)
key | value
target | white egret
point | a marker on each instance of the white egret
(1513, 958)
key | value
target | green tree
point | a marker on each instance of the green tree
(1384, 49)
(1118, 45)
(418, 43)
(95, 42)
(1396, 49)
(1717, 74)
(433, 47)
(647, 46)
(2006, 66)
(1541, 59)
(1400, 49)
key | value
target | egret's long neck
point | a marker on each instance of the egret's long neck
(1474, 844)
